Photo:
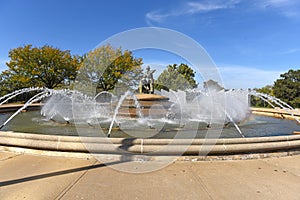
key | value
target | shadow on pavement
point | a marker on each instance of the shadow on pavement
(58, 173)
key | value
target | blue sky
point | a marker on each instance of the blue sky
(251, 41)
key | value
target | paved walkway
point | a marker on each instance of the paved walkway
(41, 177)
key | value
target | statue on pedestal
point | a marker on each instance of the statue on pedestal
(146, 85)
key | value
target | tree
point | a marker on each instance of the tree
(6, 83)
(40, 67)
(176, 78)
(105, 67)
(287, 87)
(258, 102)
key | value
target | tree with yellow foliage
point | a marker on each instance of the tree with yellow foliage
(40, 67)
(106, 68)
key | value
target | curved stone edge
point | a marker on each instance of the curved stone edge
(114, 157)
(146, 141)
(15, 106)
(149, 146)
(276, 113)
(40, 152)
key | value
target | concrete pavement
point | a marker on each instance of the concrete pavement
(24, 176)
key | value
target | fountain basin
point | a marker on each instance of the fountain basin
(151, 146)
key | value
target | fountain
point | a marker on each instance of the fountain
(147, 116)
(212, 120)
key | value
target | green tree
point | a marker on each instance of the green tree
(176, 78)
(44, 67)
(6, 83)
(258, 102)
(104, 68)
(287, 87)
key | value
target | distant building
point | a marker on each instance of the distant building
(212, 85)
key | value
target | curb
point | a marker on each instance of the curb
(149, 146)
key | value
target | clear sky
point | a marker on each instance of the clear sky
(251, 41)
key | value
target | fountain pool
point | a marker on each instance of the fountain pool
(196, 118)
(254, 126)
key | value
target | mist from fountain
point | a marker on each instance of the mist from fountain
(59, 107)
(234, 102)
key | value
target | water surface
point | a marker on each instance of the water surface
(254, 126)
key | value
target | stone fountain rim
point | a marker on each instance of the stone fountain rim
(74, 144)
(148, 146)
